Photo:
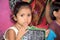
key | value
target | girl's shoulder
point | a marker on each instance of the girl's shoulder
(13, 28)
(10, 28)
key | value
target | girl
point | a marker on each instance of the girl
(55, 15)
(22, 16)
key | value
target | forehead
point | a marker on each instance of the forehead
(25, 7)
(24, 10)
(59, 9)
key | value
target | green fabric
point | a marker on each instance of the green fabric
(34, 28)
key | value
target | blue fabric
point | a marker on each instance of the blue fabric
(51, 35)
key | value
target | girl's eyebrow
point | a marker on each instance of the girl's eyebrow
(22, 14)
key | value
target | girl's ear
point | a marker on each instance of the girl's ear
(55, 13)
(14, 17)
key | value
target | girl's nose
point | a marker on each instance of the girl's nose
(26, 19)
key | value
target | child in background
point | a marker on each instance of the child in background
(52, 34)
(55, 15)
(22, 17)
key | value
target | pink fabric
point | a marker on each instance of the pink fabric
(4, 15)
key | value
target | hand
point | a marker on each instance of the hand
(48, 7)
(47, 32)
(23, 30)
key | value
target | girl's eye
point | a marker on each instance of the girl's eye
(22, 15)
(29, 15)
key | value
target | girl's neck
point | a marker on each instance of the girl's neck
(58, 21)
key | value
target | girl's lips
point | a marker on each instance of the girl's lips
(25, 23)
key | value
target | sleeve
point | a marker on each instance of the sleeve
(51, 35)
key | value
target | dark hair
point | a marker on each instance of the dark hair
(19, 5)
(54, 7)
(29, 1)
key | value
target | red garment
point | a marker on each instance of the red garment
(43, 24)
(33, 4)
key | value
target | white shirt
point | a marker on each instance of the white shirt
(13, 28)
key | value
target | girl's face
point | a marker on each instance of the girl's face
(57, 14)
(24, 16)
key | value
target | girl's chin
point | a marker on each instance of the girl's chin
(25, 24)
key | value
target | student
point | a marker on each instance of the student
(55, 15)
(22, 17)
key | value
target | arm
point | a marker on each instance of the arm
(49, 20)
(21, 32)
(47, 11)
(10, 35)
